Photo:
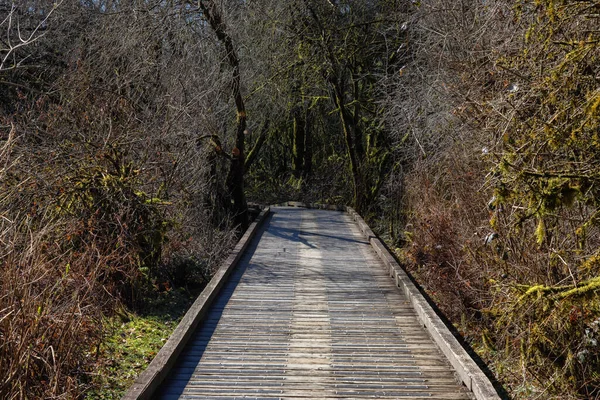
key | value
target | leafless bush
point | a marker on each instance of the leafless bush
(434, 102)
(103, 182)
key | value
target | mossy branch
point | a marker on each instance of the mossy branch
(561, 292)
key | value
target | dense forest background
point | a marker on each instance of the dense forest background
(134, 133)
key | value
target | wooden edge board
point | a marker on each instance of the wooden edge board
(469, 372)
(150, 379)
(316, 206)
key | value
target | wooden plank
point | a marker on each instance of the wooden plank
(149, 380)
(312, 314)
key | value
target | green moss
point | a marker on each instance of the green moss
(133, 341)
(127, 352)
(587, 288)
(540, 232)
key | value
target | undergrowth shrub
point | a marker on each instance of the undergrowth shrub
(52, 300)
(114, 213)
(502, 204)
(51, 316)
(546, 181)
(103, 189)
(447, 234)
(437, 108)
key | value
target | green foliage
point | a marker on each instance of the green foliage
(551, 154)
(104, 194)
(548, 193)
(127, 352)
(558, 331)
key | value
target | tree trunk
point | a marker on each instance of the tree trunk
(298, 150)
(360, 196)
(235, 177)
(308, 150)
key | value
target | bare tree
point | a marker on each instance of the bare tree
(235, 177)
(19, 35)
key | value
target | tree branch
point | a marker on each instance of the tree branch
(11, 47)
(252, 155)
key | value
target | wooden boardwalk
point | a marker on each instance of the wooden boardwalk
(311, 312)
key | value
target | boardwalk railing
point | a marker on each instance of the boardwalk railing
(469, 372)
(471, 375)
(149, 380)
